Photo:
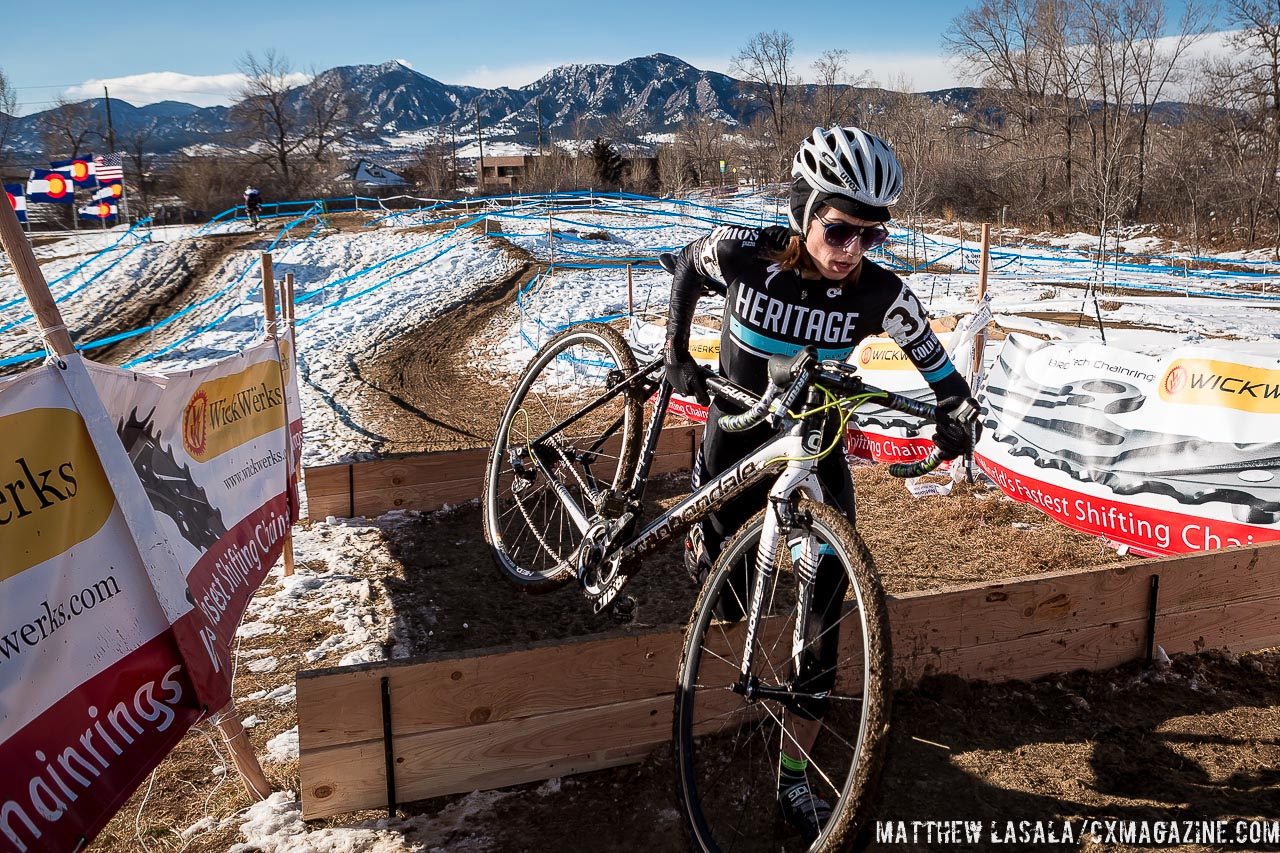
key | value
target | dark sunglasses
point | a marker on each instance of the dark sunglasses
(842, 234)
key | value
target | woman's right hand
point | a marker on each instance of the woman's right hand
(685, 374)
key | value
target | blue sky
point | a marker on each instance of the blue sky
(476, 43)
(145, 51)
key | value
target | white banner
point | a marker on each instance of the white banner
(119, 596)
(1168, 455)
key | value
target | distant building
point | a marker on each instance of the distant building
(368, 175)
(505, 173)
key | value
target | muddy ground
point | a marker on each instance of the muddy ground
(1197, 739)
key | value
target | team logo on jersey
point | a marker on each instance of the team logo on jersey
(833, 292)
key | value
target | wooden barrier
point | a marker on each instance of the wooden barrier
(431, 480)
(499, 717)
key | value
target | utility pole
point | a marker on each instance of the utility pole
(539, 125)
(453, 147)
(480, 139)
(111, 131)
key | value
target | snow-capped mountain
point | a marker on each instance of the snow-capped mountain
(649, 94)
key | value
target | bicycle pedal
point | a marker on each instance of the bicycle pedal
(623, 610)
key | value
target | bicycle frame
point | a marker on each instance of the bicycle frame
(791, 456)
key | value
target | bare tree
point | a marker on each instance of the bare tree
(676, 174)
(1017, 49)
(1157, 67)
(765, 67)
(8, 105)
(434, 169)
(293, 132)
(330, 113)
(1255, 71)
(266, 117)
(69, 127)
(834, 90)
(209, 182)
(137, 148)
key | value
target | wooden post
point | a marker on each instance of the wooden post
(293, 364)
(268, 294)
(255, 781)
(286, 320)
(980, 340)
(630, 294)
(288, 303)
(272, 329)
(32, 281)
(551, 240)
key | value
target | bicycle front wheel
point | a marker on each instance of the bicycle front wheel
(823, 666)
(563, 435)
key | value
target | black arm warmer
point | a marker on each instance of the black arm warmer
(686, 287)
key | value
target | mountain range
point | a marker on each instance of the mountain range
(652, 94)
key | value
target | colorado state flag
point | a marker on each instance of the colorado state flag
(98, 210)
(109, 192)
(50, 187)
(17, 200)
(81, 170)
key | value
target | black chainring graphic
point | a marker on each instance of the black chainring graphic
(1072, 428)
(170, 488)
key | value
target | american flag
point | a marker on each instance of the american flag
(109, 167)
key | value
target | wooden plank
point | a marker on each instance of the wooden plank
(328, 491)
(431, 480)
(973, 614)
(1241, 626)
(344, 705)
(494, 719)
(346, 778)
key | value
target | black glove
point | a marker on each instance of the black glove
(957, 437)
(685, 374)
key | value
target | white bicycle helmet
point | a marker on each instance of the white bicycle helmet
(846, 163)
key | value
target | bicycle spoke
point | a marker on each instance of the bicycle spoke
(728, 746)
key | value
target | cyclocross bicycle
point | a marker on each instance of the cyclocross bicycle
(562, 500)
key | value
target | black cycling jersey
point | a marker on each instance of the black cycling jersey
(769, 310)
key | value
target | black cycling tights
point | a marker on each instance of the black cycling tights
(720, 451)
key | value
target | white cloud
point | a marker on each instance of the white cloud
(514, 76)
(142, 89)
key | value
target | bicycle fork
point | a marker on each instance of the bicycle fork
(797, 480)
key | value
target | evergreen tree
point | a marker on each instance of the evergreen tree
(609, 165)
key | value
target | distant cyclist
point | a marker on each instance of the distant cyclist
(252, 204)
(789, 288)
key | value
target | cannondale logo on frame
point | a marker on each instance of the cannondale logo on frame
(1175, 380)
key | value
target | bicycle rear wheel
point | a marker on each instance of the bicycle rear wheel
(727, 745)
(533, 537)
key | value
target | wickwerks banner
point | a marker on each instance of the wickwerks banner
(123, 575)
(1166, 455)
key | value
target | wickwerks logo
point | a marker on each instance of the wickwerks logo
(194, 419)
(1175, 380)
(227, 412)
(1209, 382)
(884, 355)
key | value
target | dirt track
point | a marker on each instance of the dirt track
(1197, 740)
